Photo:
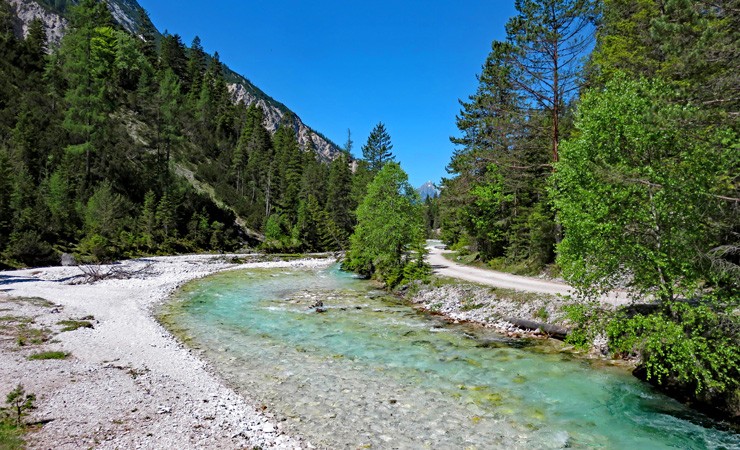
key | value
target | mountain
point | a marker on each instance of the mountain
(119, 141)
(131, 16)
(427, 189)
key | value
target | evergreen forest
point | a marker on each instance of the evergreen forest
(114, 145)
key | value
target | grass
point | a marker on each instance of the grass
(542, 313)
(49, 355)
(469, 306)
(11, 436)
(35, 301)
(72, 325)
(28, 335)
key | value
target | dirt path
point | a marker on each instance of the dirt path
(445, 267)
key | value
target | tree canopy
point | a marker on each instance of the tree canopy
(389, 236)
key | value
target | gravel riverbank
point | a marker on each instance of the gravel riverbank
(126, 382)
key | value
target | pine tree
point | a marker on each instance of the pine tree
(168, 127)
(196, 65)
(172, 56)
(339, 203)
(289, 164)
(550, 39)
(377, 150)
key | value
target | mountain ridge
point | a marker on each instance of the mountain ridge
(130, 15)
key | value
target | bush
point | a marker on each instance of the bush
(692, 345)
(587, 321)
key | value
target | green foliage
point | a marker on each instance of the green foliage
(686, 43)
(11, 437)
(72, 325)
(587, 321)
(625, 198)
(695, 345)
(100, 138)
(390, 231)
(500, 168)
(48, 355)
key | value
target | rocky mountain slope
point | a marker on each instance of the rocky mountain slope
(130, 15)
(428, 189)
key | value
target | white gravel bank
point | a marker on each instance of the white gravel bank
(128, 383)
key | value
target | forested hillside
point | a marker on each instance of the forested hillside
(603, 137)
(115, 145)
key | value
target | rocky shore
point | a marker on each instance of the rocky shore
(116, 378)
(497, 308)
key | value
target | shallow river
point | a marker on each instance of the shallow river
(374, 373)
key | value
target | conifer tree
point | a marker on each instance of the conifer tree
(377, 150)
(172, 56)
(197, 65)
(339, 203)
(87, 58)
(550, 39)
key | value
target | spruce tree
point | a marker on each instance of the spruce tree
(377, 150)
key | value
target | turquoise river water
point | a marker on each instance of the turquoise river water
(372, 372)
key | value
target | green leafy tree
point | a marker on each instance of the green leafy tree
(638, 192)
(390, 230)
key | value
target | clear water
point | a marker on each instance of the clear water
(374, 373)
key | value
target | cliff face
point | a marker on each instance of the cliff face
(128, 13)
(275, 115)
(26, 11)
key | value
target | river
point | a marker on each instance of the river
(373, 372)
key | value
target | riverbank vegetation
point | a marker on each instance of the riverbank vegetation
(388, 242)
(603, 137)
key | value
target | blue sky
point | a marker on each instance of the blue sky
(349, 65)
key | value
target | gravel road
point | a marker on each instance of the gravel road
(445, 267)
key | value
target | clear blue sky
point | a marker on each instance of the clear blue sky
(343, 64)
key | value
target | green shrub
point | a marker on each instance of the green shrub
(696, 346)
(587, 321)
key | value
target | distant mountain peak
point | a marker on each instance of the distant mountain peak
(428, 189)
